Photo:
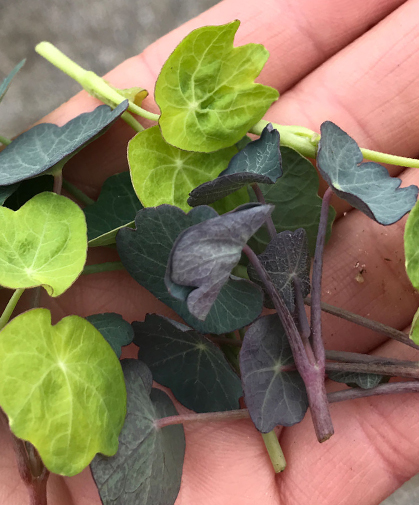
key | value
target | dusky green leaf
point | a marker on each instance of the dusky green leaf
(26, 190)
(203, 256)
(162, 173)
(258, 162)
(116, 207)
(44, 243)
(46, 145)
(62, 389)
(296, 200)
(206, 90)
(185, 361)
(411, 246)
(414, 330)
(4, 86)
(145, 253)
(147, 468)
(285, 259)
(114, 329)
(273, 394)
(354, 379)
(366, 186)
(231, 201)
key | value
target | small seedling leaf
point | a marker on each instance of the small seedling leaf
(162, 173)
(4, 86)
(258, 162)
(206, 90)
(204, 255)
(145, 253)
(286, 258)
(353, 379)
(114, 329)
(115, 208)
(44, 243)
(47, 145)
(273, 395)
(411, 246)
(366, 186)
(147, 468)
(189, 364)
(296, 200)
(62, 389)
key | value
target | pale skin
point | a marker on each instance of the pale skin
(353, 62)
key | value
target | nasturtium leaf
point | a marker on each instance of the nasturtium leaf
(147, 468)
(189, 364)
(116, 207)
(285, 259)
(162, 173)
(62, 389)
(47, 145)
(366, 186)
(204, 255)
(411, 246)
(414, 330)
(4, 86)
(44, 243)
(7, 191)
(145, 253)
(26, 190)
(273, 394)
(258, 162)
(206, 90)
(231, 201)
(353, 379)
(296, 200)
(114, 329)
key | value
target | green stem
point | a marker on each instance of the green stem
(77, 193)
(274, 451)
(10, 307)
(5, 141)
(109, 266)
(91, 82)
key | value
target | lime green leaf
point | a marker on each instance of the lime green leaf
(116, 207)
(47, 145)
(414, 330)
(162, 173)
(411, 246)
(44, 243)
(62, 389)
(206, 90)
(4, 86)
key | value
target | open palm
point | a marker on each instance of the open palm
(353, 62)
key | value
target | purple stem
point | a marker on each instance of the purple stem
(58, 183)
(207, 417)
(407, 371)
(316, 281)
(261, 199)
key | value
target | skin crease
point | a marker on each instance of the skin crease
(353, 62)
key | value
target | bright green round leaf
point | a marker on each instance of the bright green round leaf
(44, 243)
(414, 330)
(162, 173)
(206, 90)
(62, 388)
(411, 246)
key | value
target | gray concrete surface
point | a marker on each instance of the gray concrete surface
(98, 34)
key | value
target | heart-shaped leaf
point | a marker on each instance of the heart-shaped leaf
(258, 162)
(206, 90)
(285, 259)
(116, 207)
(296, 200)
(411, 246)
(46, 145)
(44, 243)
(62, 389)
(147, 468)
(162, 173)
(114, 329)
(25, 190)
(366, 186)
(145, 253)
(353, 379)
(204, 255)
(273, 393)
(189, 364)
(4, 86)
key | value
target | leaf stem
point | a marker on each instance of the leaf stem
(388, 331)
(97, 268)
(10, 307)
(275, 451)
(207, 417)
(409, 371)
(5, 141)
(77, 193)
(382, 389)
(261, 199)
(58, 182)
(305, 330)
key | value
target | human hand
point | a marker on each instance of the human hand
(326, 66)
